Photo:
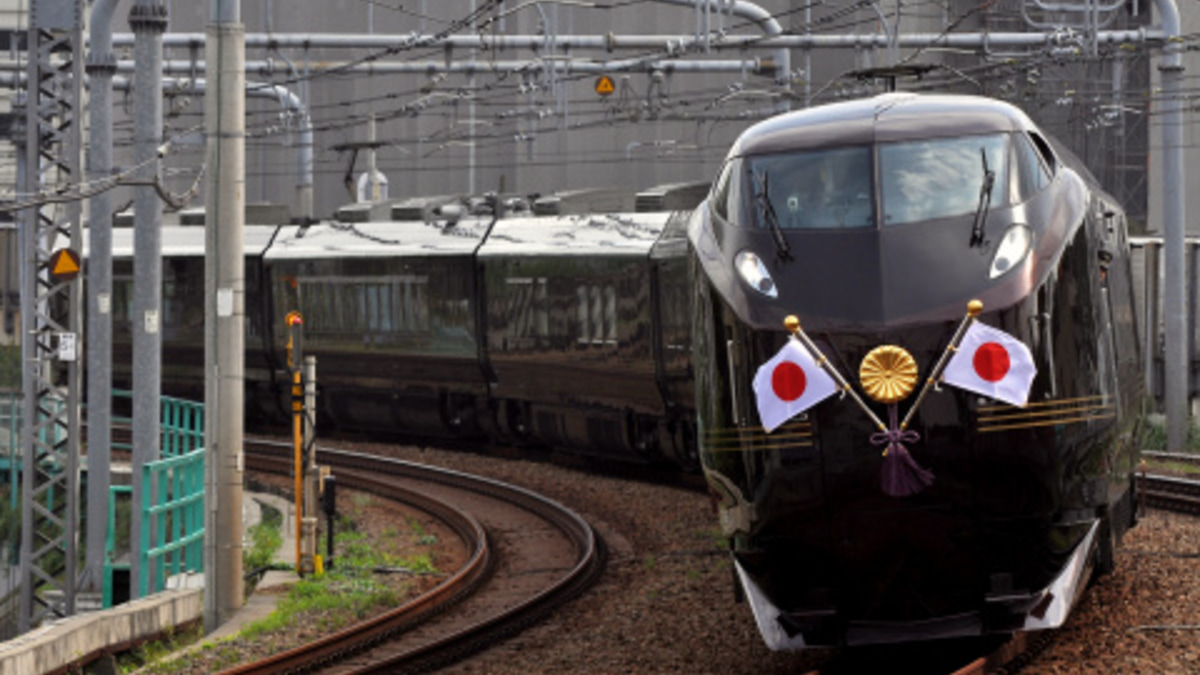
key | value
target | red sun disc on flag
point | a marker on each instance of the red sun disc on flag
(788, 381)
(991, 361)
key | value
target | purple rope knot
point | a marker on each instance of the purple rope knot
(894, 437)
(901, 475)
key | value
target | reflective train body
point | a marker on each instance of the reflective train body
(636, 336)
(876, 222)
(567, 332)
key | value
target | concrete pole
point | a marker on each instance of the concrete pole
(224, 310)
(148, 19)
(101, 65)
(1174, 255)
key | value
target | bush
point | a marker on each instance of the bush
(10, 367)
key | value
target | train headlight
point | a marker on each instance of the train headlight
(755, 273)
(1014, 246)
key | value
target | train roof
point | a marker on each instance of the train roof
(883, 118)
(382, 239)
(593, 234)
(188, 241)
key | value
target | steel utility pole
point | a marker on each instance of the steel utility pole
(51, 320)
(148, 18)
(224, 309)
(101, 66)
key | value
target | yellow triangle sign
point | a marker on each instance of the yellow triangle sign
(65, 264)
(604, 85)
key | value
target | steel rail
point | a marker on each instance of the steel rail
(1178, 495)
(380, 476)
(361, 635)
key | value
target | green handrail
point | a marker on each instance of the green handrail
(172, 501)
(172, 489)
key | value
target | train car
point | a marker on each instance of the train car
(876, 223)
(579, 312)
(391, 312)
(541, 331)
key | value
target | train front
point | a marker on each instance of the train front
(880, 514)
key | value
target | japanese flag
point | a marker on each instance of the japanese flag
(993, 363)
(788, 384)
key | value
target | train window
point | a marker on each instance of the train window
(527, 311)
(816, 189)
(1031, 173)
(720, 194)
(380, 309)
(940, 178)
(1044, 150)
(596, 311)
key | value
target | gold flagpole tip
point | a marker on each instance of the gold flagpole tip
(974, 307)
(791, 323)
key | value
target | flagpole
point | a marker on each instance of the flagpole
(792, 324)
(974, 307)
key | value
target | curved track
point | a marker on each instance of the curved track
(529, 555)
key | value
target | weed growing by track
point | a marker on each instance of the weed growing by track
(10, 367)
(265, 539)
(371, 574)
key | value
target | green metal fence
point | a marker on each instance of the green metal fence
(12, 410)
(173, 508)
(172, 504)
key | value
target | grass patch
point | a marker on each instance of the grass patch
(265, 540)
(10, 367)
(150, 652)
(349, 593)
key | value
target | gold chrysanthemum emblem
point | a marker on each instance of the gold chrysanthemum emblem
(888, 374)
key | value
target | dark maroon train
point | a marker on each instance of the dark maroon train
(636, 336)
(876, 222)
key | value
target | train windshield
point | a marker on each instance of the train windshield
(815, 189)
(918, 181)
(942, 178)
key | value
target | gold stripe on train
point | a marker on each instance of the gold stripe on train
(1046, 423)
(1017, 414)
(756, 447)
(1045, 413)
(742, 432)
(1099, 398)
(736, 439)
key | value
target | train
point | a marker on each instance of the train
(931, 207)
(637, 335)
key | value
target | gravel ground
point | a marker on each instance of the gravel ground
(665, 602)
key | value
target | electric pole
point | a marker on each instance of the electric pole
(224, 309)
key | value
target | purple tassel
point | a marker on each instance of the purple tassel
(901, 475)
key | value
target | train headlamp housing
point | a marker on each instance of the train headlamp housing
(752, 270)
(1014, 247)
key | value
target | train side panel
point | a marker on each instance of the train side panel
(570, 339)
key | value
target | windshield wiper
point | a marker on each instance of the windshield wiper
(985, 198)
(782, 249)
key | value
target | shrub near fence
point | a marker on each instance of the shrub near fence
(10, 367)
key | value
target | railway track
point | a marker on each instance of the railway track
(433, 631)
(1179, 495)
(529, 555)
